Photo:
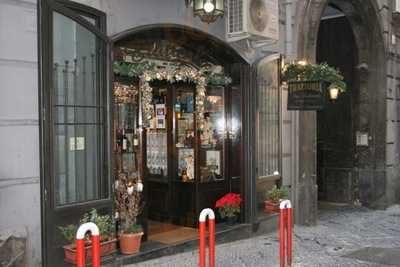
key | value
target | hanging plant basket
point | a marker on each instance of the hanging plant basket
(308, 84)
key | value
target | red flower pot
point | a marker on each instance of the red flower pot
(106, 248)
(271, 207)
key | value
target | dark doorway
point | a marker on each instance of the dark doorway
(335, 135)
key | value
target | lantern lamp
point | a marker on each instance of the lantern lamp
(208, 10)
(333, 93)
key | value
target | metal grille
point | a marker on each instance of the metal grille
(268, 128)
(235, 11)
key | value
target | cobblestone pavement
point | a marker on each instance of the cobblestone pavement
(340, 232)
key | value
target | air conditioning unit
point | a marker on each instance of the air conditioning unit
(256, 20)
(397, 6)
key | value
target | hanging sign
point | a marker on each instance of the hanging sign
(306, 95)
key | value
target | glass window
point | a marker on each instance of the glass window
(78, 113)
(268, 130)
(184, 110)
(213, 136)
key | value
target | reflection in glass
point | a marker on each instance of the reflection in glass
(213, 136)
(78, 113)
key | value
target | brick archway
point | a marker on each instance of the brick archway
(370, 115)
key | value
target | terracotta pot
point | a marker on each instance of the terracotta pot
(271, 207)
(106, 248)
(130, 243)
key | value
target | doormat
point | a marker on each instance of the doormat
(388, 256)
(175, 236)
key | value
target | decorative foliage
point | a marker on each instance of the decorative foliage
(184, 74)
(147, 72)
(104, 222)
(124, 93)
(314, 72)
(229, 205)
(123, 68)
(128, 202)
(276, 194)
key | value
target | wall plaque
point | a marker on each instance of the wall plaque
(306, 95)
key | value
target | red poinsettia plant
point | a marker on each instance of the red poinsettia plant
(229, 205)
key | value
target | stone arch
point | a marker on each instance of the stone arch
(370, 116)
(197, 34)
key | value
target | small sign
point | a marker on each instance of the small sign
(80, 143)
(306, 95)
(160, 114)
(362, 139)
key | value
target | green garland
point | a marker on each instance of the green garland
(146, 72)
(214, 77)
(314, 72)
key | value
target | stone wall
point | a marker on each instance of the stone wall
(19, 130)
(376, 169)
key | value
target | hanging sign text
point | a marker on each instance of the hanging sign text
(306, 95)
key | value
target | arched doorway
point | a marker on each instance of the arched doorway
(368, 113)
(191, 170)
(335, 136)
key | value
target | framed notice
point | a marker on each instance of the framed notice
(306, 95)
(213, 161)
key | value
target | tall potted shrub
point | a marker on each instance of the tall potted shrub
(128, 206)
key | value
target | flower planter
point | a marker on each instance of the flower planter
(106, 248)
(130, 243)
(271, 207)
(232, 220)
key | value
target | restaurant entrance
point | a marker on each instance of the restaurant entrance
(177, 126)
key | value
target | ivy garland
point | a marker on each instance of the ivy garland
(314, 72)
(148, 72)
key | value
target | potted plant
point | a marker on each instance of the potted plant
(229, 207)
(128, 207)
(107, 237)
(274, 197)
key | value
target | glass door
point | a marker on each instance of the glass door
(75, 125)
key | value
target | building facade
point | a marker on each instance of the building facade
(360, 163)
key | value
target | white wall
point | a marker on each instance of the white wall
(19, 130)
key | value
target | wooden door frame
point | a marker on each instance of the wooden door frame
(45, 36)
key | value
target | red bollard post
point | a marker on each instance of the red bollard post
(285, 233)
(202, 237)
(282, 239)
(289, 235)
(80, 244)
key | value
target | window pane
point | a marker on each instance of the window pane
(268, 131)
(77, 114)
(211, 156)
(268, 118)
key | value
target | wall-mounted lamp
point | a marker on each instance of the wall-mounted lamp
(208, 10)
(333, 93)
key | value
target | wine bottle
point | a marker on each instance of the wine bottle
(124, 142)
(135, 139)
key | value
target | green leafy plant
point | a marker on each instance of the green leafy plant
(104, 222)
(68, 232)
(314, 72)
(134, 229)
(276, 194)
